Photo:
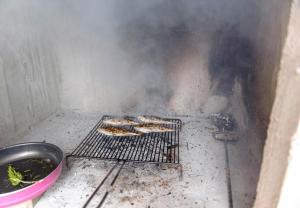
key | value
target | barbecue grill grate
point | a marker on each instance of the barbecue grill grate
(150, 148)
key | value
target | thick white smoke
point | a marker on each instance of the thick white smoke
(126, 56)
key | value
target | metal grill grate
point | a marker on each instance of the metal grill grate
(151, 147)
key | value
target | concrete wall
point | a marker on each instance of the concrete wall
(29, 77)
(270, 36)
(111, 59)
(279, 178)
(28, 89)
(104, 56)
(153, 58)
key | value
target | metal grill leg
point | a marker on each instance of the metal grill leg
(99, 186)
(112, 183)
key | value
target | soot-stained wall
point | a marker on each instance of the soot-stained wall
(115, 57)
(270, 37)
(150, 56)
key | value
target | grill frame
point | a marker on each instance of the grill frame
(147, 148)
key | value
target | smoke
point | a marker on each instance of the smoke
(127, 56)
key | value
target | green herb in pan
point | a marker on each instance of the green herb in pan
(15, 177)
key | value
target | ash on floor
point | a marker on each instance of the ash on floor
(203, 183)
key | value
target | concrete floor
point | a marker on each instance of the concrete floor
(203, 183)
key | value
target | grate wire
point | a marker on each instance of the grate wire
(152, 147)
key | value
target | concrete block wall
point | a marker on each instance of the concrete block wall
(29, 69)
(279, 182)
(28, 88)
(29, 84)
(270, 36)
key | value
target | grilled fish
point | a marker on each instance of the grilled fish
(149, 128)
(115, 131)
(154, 120)
(120, 122)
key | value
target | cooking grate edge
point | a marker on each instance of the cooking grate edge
(147, 148)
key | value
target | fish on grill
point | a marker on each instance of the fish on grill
(151, 128)
(120, 122)
(115, 131)
(154, 120)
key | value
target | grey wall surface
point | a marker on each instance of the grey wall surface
(29, 76)
(145, 56)
(119, 57)
(271, 35)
